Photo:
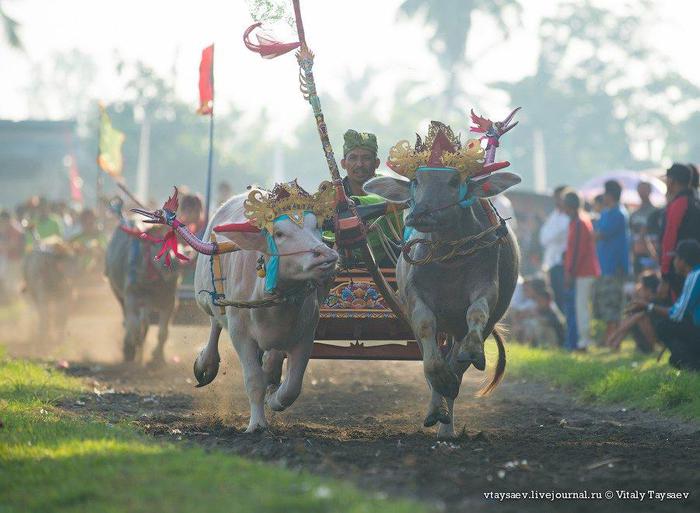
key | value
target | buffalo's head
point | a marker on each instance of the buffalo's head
(437, 194)
(302, 254)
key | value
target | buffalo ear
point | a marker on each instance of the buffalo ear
(494, 184)
(391, 189)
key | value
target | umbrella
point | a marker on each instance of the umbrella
(629, 181)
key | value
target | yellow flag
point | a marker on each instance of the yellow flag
(110, 148)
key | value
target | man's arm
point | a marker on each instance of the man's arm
(677, 311)
(570, 256)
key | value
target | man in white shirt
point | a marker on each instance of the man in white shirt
(553, 236)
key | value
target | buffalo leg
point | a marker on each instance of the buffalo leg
(272, 367)
(254, 380)
(438, 374)
(290, 388)
(446, 430)
(206, 366)
(164, 317)
(471, 348)
(132, 327)
(438, 411)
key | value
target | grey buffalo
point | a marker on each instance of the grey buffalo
(142, 286)
(463, 297)
(48, 271)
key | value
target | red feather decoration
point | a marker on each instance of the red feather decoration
(482, 125)
(267, 48)
(172, 203)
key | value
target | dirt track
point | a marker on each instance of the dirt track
(361, 422)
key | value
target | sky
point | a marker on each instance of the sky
(347, 37)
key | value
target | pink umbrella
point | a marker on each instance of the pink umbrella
(629, 181)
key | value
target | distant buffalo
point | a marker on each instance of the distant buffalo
(141, 285)
(48, 269)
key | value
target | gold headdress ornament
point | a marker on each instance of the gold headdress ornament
(263, 207)
(467, 159)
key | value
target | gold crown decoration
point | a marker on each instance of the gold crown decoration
(467, 159)
(263, 207)
(433, 130)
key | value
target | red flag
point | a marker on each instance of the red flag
(206, 81)
(267, 47)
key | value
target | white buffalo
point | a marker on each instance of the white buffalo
(263, 337)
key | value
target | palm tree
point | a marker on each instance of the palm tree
(11, 30)
(452, 20)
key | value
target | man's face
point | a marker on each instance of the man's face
(644, 191)
(681, 266)
(673, 187)
(559, 201)
(191, 215)
(570, 211)
(609, 201)
(88, 223)
(360, 164)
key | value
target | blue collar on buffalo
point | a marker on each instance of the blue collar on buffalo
(273, 263)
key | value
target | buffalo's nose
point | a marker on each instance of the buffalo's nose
(324, 253)
(418, 216)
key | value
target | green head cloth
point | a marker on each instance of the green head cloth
(363, 140)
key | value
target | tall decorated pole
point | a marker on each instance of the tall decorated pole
(109, 154)
(206, 106)
(350, 231)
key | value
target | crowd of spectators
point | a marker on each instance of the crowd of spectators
(41, 224)
(611, 271)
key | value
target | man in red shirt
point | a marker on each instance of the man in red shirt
(676, 225)
(580, 271)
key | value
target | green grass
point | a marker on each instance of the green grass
(626, 378)
(52, 461)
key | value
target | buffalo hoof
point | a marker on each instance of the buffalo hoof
(443, 380)
(129, 353)
(440, 414)
(446, 432)
(471, 351)
(477, 359)
(156, 363)
(206, 367)
(256, 427)
(271, 398)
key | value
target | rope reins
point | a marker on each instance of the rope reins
(290, 296)
(218, 298)
(464, 247)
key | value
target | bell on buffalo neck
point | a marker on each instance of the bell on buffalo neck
(260, 267)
